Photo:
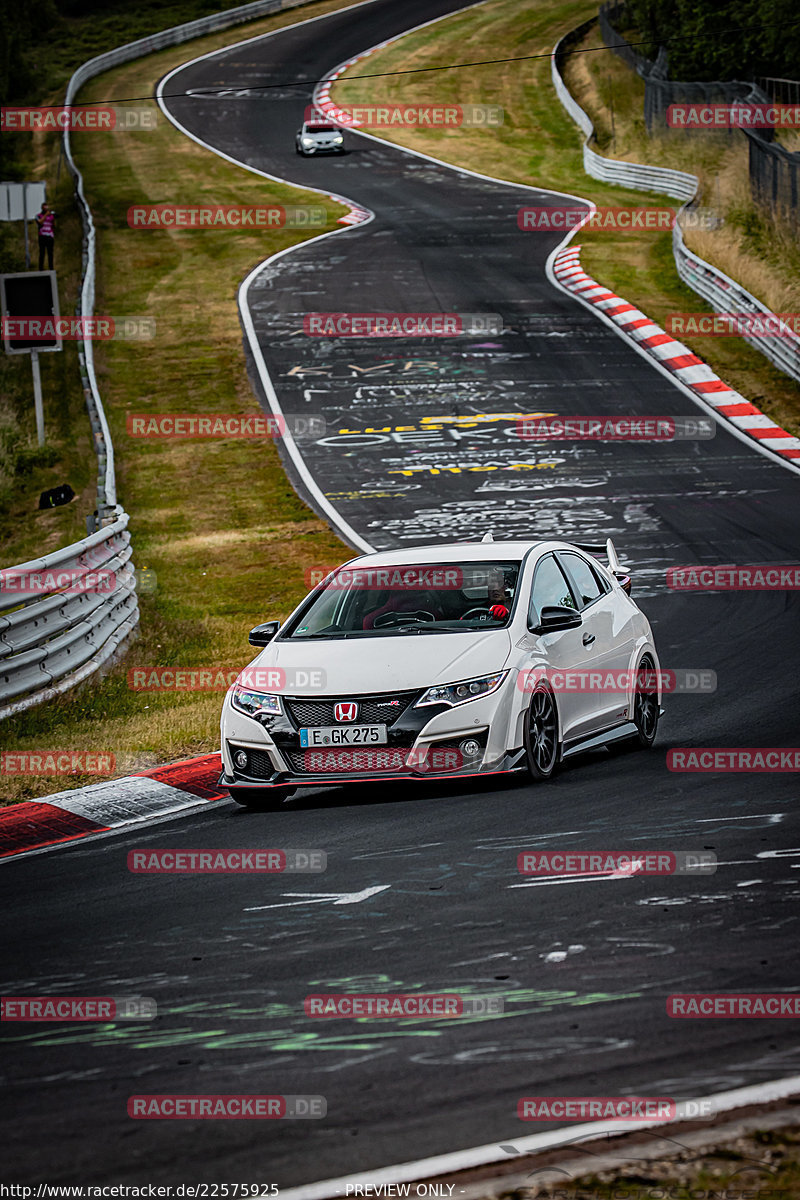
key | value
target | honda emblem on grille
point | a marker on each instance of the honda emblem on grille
(346, 710)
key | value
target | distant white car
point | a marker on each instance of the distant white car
(316, 137)
(456, 660)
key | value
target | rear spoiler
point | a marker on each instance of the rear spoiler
(609, 552)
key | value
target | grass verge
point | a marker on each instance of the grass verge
(763, 1165)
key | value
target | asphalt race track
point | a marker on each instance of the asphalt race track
(584, 968)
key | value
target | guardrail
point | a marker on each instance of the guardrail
(726, 295)
(718, 289)
(58, 633)
(63, 615)
(639, 176)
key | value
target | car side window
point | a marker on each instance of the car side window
(583, 577)
(550, 587)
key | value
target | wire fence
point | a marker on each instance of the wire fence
(774, 170)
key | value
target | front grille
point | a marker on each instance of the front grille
(382, 709)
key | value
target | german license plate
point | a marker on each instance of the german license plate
(338, 735)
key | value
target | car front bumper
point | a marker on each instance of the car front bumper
(423, 743)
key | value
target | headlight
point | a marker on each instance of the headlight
(338, 139)
(452, 694)
(307, 141)
(252, 703)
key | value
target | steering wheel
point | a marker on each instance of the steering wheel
(399, 618)
(480, 610)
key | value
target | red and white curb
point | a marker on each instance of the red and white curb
(322, 101)
(676, 358)
(101, 807)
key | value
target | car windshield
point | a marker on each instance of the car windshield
(319, 129)
(363, 602)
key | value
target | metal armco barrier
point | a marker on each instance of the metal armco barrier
(721, 292)
(56, 635)
(726, 295)
(62, 616)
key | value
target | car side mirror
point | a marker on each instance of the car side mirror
(262, 635)
(557, 616)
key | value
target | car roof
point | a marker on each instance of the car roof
(456, 552)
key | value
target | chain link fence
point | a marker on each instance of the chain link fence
(774, 170)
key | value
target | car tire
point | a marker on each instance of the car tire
(542, 748)
(261, 799)
(645, 704)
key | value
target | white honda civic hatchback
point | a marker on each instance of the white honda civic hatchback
(446, 661)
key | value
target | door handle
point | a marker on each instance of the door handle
(587, 639)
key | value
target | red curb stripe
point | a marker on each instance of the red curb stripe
(683, 360)
(639, 323)
(769, 432)
(793, 452)
(34, 823)
(198, 776)
(658, 339)
(620, 308)
(712, 385)
(745, 409)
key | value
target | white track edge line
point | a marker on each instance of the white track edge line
(477, 1156)
(340, 525)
